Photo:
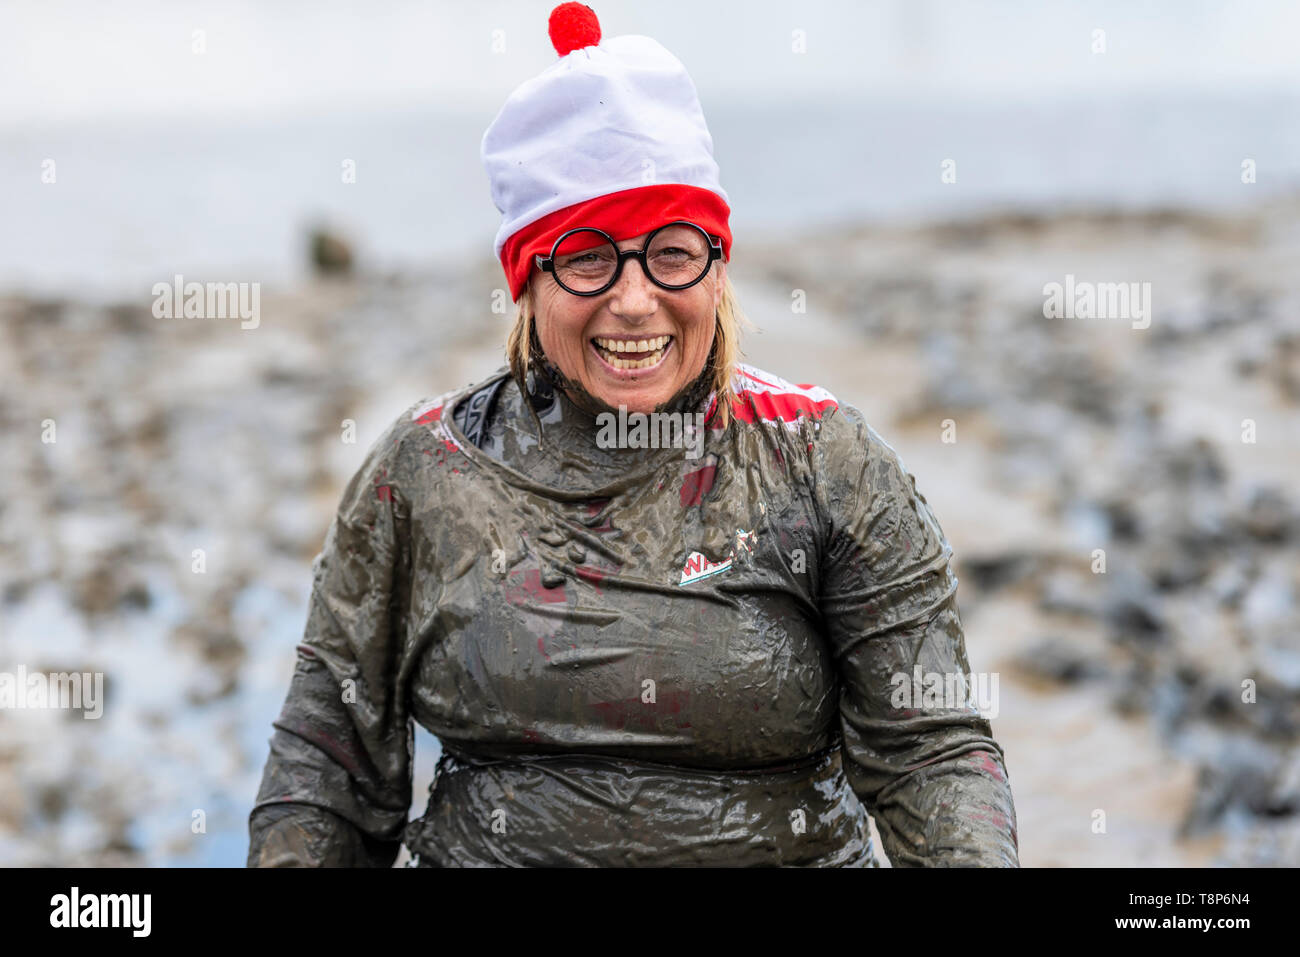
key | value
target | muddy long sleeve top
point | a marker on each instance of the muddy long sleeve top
(658, 643)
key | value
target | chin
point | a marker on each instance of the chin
(634, 400)
(636, 396)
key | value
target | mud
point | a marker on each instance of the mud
(532, 610)
(1119, 692)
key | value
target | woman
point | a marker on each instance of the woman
(655, 603)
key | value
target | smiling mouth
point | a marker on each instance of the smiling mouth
(632, 353)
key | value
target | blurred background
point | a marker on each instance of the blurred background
(906, 177)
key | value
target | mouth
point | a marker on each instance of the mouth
(630, 355)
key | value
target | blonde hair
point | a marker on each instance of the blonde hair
(731, 322)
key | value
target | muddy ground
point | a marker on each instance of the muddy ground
(164, 536)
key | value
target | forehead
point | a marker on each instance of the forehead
(619, 238)
(582, 240)
(633, 242)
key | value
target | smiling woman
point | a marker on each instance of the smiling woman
(630, 342)
(633, 653)
(602, 343)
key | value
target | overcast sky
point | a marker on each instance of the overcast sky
(72, 61)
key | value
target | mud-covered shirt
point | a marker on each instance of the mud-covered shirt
(688, 653)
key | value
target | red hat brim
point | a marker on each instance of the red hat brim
(625, 214)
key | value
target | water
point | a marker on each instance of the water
(137, 201)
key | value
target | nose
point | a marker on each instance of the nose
(634, 297)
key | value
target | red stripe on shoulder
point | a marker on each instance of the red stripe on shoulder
(430, 412)
(763, 397)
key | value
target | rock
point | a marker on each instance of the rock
(1070, 594)
(1176, 563)
(1230, 582)
(330, 253)
(1136, 617)
(1243, 775)
(1056, 659)
(1269, 607)
(989, 573)
(1268, 515)
(111, 583)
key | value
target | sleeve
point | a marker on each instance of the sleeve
(928, 771)
(336, 788)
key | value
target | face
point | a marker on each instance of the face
(581, 335)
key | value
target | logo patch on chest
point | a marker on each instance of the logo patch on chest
(698, 566)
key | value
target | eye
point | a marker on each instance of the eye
(587, 260)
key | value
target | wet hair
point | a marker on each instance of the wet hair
(522, 347)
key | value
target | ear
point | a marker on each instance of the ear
(720, 283)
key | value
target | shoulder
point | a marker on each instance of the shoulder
(847, 455)
(764, 398)
(400, 455)
(430, 416)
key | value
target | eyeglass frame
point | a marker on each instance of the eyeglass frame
(547, 263)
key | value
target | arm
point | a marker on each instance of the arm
(932, 776)
(337, 786)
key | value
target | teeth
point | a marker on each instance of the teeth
(633, 345)
(649, 360)
(611, 347)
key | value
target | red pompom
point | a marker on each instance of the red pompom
(573, 26)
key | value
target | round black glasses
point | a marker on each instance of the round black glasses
(586, 261)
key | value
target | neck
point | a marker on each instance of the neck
(578, 403)
(568, 444)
